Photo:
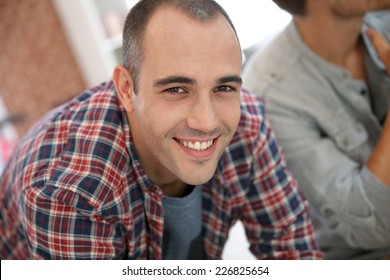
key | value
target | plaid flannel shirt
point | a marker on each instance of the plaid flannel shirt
(75, 189)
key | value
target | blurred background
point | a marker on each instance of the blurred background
(51, 50)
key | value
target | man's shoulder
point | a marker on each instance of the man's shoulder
(83, 134)
(236, 161)
(275, 65)
(252, 105)
(91, 104)
(287, 73)
(76, 153)
(252, 117)
(274, 53)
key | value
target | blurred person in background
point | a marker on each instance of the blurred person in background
(160, 162)
(327, 92)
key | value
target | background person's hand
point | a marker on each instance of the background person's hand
(382, 47)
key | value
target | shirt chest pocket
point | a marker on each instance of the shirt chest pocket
(348, 134)
(352, 138)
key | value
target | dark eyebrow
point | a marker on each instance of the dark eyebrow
(229, 79)
(174, 80)
(186, 80)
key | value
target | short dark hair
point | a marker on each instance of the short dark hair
(139, 16)
(294, 7)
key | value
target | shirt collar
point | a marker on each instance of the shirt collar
(369, 47)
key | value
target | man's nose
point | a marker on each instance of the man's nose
(202, 116)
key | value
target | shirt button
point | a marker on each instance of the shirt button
(273, 75)
(152, 188)
(345, 143)
(363, 92)
(153, 223)
(328, 212)
(359, 129)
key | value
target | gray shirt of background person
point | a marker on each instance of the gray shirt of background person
(328, 125)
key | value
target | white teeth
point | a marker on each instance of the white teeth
(199, 146)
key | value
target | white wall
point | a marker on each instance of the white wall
(255, 19)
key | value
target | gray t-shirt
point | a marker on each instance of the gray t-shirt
(183, 226)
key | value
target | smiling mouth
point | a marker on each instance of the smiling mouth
(197, 145)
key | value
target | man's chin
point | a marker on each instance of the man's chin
(197, 179)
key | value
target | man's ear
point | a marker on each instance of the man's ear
(124, 87)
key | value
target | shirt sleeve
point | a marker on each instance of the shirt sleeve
(57, 228)
(352, 202)
(276, 215)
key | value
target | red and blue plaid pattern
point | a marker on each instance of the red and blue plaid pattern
(75, 190)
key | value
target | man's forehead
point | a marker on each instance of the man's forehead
(171, 23)
(167, 18)
(173, 38)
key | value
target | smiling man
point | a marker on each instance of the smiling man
(160, 162)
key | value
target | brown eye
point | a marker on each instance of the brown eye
(175, 90)
(225, 89)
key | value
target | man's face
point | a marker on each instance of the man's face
(187, 107)
(351, 8)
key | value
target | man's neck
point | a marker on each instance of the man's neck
(176, 189)
(334, 39)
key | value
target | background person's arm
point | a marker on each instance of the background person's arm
(353, 201)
